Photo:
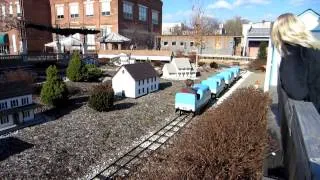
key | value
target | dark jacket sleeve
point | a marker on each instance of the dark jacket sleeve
(293, 76)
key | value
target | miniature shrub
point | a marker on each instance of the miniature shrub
(227, 142)
(92, 72)
(201, 63)
(54, 91)
(262, 54)
(19, 75)
(214, 65)
(76, 70)
(102, 98)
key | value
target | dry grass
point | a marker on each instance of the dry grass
(225, 143)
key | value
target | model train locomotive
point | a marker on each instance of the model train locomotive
(195, 98)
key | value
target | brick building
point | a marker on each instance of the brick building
(213, 44)
(20, 40)
(138, 20)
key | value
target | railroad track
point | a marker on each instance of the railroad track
(121, 166)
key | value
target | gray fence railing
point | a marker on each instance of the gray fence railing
(300, 130)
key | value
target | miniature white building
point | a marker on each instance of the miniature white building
(135, 80)
(179, 68)
(16, 106)
(123, 59)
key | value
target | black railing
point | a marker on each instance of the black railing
(300, 130)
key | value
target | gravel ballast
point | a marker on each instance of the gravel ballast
(83, 141)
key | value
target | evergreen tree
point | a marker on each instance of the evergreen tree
(76, 69)
(54, 91)
(263, 51)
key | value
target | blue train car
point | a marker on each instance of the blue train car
(193, 101)
(228, 77)
(236, 71)
(216, 85)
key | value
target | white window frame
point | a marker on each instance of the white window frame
(14, 43)
(105, 7)
(4, 120)
(26, 114)
(155, 17)
(3, 9)
(127, 10)
(89, 6)
(11, 8)
(143, 13)
(25, 101)
(59, 11)
(18, 8)
(105, 30)
(74, 10)
(3, 105)
(14, 103)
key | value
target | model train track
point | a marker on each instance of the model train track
(122, 166)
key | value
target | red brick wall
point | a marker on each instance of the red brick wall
(38, 12)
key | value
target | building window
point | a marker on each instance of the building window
(165, 43)
(3, 106)
(142, 90)
(89, 8)
(74, 10)
(26, 114)
(25, 101)
(4, 120)
(155, 17)
(127, 10)
(143, 13)
(3, 9)
(173, 43)
(18, 8)
(142, 82)
(191, 44)
(139, 83)
(90, 39)
(14, 103)
(122, 71)
(151, 88)
(105, 8)
(106, 30)
(10, 9)
(139, 91)
(181, 43)
(154, 86)
(60, 11)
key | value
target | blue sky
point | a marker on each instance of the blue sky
(253, 10)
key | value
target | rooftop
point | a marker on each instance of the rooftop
(14, 89)
(140, 71)
(259, 32)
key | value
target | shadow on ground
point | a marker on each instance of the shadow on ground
(165, 85)
(122, 106)
(10, 146)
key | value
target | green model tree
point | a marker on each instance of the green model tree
(54, 91)
(76, 70)
(102, 97)
(263, 51)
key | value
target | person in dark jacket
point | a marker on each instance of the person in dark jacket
(299, 69)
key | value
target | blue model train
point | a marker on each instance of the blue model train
(195, 98)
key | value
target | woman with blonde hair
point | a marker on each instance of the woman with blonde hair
(300, 59)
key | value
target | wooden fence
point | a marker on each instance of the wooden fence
(300, 130)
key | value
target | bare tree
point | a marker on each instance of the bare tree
(234, 26)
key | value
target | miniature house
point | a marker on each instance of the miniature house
(179, 68)
(16, 106)
(135, 80)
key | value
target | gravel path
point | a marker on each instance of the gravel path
(82, 141)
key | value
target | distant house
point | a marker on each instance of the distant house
(135, 80)
(16, 106)
(179, 68)
(253, 35)
(312, 21)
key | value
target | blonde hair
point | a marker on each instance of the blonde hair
(289, 29)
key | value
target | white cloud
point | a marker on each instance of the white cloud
(220, 4)
(223, 4)
(297, 2)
